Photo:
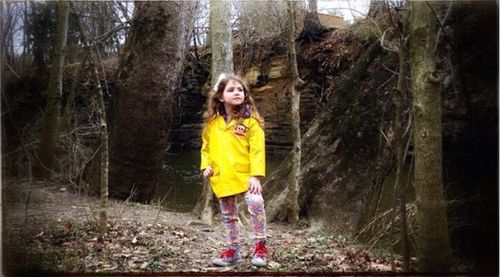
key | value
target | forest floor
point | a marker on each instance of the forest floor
(49, 227)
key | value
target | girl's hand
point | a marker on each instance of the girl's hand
(254, 185)
(208, 172)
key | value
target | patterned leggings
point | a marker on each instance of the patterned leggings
(229, 210)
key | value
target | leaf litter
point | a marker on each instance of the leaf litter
(142, 239)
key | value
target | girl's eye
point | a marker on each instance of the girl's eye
(240, 89)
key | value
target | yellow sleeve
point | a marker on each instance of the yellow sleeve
(205, 157)
(257, 150)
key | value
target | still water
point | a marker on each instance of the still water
(181, 184)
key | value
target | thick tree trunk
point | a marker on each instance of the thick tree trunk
(343, 156)
(148, 77)
(221, 37)
(433, 244)
(222, 62)
(49, 135)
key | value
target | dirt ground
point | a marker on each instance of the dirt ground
(49, 227)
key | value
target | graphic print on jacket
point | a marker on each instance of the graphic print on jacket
(240, 130)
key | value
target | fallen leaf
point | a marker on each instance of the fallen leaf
(179, 233)
(287, 239)
(131, 263)
(311, 240)
(144, 265)
(381, 267)
(274, 265)
(329, 257)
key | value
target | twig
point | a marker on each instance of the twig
(12, 70)
(386, 139)
(365, 15)
(126, 203)
(26, 207)
(160, 204)
(440, 27)
(382, 40)
(388, 80)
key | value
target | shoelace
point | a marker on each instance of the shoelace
(260, 250)
(228, 253)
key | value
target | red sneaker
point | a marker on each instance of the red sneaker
(259, 255)
(229, 257)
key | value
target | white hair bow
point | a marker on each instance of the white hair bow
(221, 76)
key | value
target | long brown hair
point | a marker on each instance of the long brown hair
(215, 107)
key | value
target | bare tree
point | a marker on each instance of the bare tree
(51, 120)
(433, 243)
(39, 32)
(399, 24)
(4, 13)
(103, 129)
(222, 62)
(292, 205)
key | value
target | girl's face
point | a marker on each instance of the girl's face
(233, 93)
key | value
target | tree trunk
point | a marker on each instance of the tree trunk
(222, 62)
(399, 140)
(221, 37)
(433, 244)
(204, 207)
(3, 13)
(103, 128)
(292, 205)
(313, 6)
(66, 116)
(313, 30)
(148, 77)
(25, 35)
(104, 151)
(399, 98)
(39, 30)
(51, 120)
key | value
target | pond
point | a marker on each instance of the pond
(182, 181)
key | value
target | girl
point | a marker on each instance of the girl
(233, 156)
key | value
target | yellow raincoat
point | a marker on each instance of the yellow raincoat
(235, 151)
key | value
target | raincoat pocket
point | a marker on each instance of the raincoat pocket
(243, 168)
(216, 170)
